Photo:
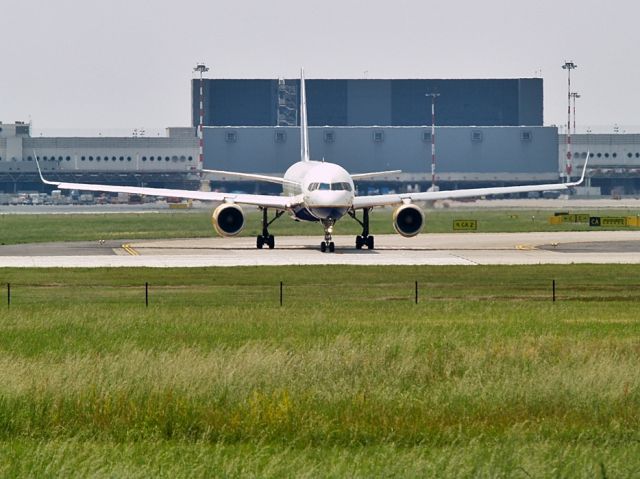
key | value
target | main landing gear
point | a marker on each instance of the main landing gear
(265, 238)
(327, 244)
(365, 239)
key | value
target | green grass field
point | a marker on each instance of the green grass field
(197, 223)
(484, 377)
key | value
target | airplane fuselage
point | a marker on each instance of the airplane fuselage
(327, 190)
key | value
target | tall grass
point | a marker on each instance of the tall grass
(467, 383)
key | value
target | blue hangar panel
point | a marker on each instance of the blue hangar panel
(361, 149)
(491, 102)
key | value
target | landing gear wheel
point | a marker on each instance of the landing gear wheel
(363, 239)
(323, 246)
(332, 247)
(370, 243)
(265, 238)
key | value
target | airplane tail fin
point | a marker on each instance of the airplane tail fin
(304, 127)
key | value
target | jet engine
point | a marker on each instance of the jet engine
(228, 219)
(408, 220)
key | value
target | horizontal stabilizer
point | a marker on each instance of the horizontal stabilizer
(235, 175)
(374, 174)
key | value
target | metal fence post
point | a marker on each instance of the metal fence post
(146, 294)
(280, 293)
(416, 292)
(553, 286)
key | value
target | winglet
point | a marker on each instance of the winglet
(40, 171)
(584, 171)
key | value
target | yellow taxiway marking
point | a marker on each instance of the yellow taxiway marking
(525, 247)
(129, 249)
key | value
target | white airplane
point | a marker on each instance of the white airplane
(315, 191)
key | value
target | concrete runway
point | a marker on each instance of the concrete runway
(426, 249)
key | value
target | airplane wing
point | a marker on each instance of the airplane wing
(397, 199)
(374, 174)
(235, 175)
(266, 201)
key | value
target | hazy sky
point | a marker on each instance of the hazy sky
(87, 64)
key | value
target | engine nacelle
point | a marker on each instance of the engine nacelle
(408, 220)
(228, 219)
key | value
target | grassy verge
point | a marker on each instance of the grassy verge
(485, 376)
(92, 227)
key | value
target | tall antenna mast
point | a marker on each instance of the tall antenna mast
(433, 139)
(569, 66)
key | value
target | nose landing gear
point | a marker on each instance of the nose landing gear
(327, 244)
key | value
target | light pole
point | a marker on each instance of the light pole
(574, 95)
(569, 66)
(201, 68)
(433, 139)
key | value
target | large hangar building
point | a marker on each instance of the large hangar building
(488, 131)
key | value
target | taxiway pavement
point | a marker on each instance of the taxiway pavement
(425, 249)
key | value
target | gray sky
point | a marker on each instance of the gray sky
(90, 64)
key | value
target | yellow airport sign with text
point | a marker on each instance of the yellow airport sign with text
(612, 221)
(465, 225)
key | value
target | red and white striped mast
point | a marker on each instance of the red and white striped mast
(569, 66)
(433, 139)
(201, 68)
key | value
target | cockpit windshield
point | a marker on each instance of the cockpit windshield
(340, 186)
